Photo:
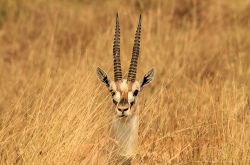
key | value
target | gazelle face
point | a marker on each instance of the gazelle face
(123, 98)
(125, 91)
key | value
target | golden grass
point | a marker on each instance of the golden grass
(54, 110)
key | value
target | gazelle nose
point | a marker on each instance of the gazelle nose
(122, 110)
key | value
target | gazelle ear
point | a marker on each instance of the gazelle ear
(148, 77)
(101, 74)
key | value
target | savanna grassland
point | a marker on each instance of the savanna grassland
(54, 110)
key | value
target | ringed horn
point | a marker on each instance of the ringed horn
(135, 54)
(116, 52)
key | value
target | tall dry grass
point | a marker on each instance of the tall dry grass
(53, 110)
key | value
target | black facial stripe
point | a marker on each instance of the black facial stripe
(132, 103)
(115, 102)
(135, 93)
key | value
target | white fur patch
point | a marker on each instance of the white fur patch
(131, 98)
(113, 85)
(136, 86)
(117, 96)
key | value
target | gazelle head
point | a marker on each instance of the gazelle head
(125, 91)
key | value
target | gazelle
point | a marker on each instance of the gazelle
(124, 93)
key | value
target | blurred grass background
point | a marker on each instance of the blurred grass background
(53, 110)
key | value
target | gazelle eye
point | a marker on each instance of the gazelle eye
(135, 93)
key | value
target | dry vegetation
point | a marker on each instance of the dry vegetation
(54, 110)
